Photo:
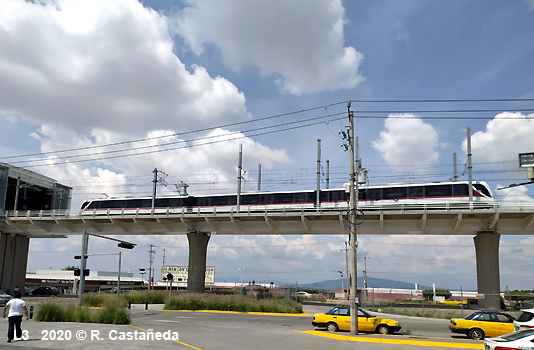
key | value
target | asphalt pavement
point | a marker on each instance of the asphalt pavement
(158, 329)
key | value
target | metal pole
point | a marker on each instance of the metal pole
(462, 300)
(150, 267)
(259, 177)
(455, 177)
(239, 168)
(155, 181)
(318, 199)
(17, 194)
(347, 267)
(352, 229)
(469, 167)
(85, 243)
(119, 275)
(327, 174)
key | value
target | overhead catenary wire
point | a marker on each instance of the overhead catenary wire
(287, 114)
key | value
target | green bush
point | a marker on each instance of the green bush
(429, 293)
(239, 303)
(112, 312)
(152, 296)
(50, 312)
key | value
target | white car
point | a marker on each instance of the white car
(4, 298)
(523, 339)
(525, 320)
(303, 294)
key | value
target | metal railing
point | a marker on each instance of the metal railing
(395, 207)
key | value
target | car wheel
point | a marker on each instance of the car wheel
(331, 327)
(476, 334)
(382, 329)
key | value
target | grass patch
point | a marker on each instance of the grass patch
(150, 296)
(112, 312)
(239, 303)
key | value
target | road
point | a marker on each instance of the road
(215, 330)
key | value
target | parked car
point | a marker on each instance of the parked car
(339, 319)
(4, 297)
(522, 339)
(481, 324)
(45, 291)
(525, 320)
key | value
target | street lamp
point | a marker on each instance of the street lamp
(83, 256)
(142, 273)
(241, 269)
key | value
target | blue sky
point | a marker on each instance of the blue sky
(79, 74)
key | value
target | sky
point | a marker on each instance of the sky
(97, 94)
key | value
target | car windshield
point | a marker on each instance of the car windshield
(339, 311)
(475, 316)
(518, 335)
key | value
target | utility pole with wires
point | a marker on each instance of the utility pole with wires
(157, 179)
(150, 261)
(351, 218)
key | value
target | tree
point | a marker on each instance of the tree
(429, 293)
(69, 268)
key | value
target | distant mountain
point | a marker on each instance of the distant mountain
(371, 283)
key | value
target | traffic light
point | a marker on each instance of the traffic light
(170, 276)
(79, 257)
(86, 272)
(126, 245)
(76, 272)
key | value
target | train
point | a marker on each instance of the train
(434, 195)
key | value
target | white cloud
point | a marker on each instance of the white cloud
(515, 197)
(507, 135)
(300, 43)
(104, 64)
(407, 140)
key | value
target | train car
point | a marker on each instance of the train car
(439, 195)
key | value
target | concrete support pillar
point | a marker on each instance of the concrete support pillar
(488, 277)
(13, 261)
(198, 246)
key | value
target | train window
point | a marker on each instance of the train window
(176, 202)
(283, 198)
(304, 197)
(371, 194)
(95, 205)
(122, 203)
(203, 201)
(438, 191)
(394, 192)
(483, 189)
(250, 199)
(416, 192)
(333, 196)
(162, 203)
(460, 190)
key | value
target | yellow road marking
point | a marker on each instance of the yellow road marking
(176, 341)
(396, 341)
(237, 312)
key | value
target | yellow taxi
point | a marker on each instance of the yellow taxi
(453, 302)
(339, 319)
(481, 324)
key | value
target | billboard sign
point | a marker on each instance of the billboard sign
(179, 273)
